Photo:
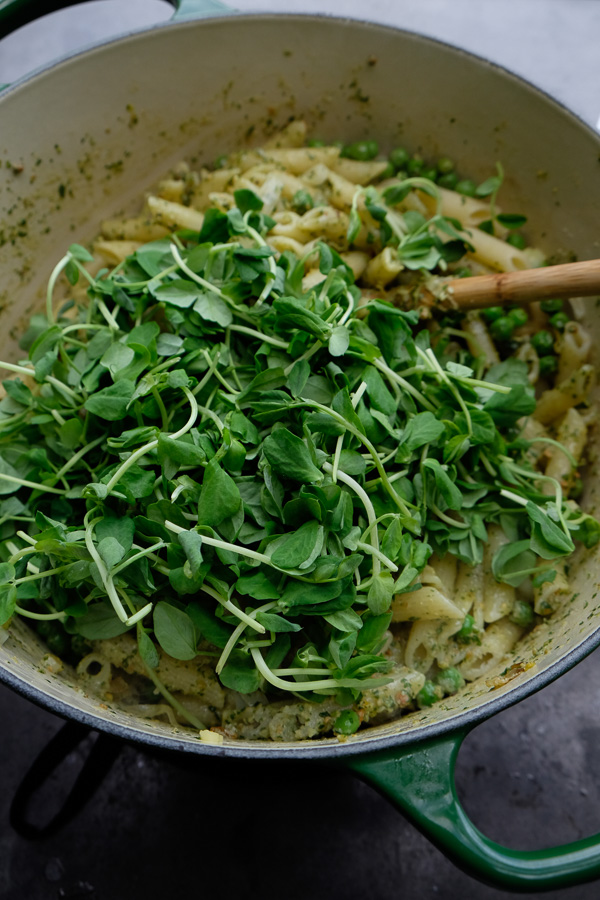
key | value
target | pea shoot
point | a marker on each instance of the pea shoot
(206, 456)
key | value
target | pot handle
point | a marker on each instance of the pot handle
(97, 762)
(420, 782)
(15, 13)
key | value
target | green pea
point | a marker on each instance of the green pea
(399, 158)
(387, 172)
(58, 642)
(516, 240)
(492, 313)
(45, 627)
(347, 722)
(445, 165)
(519, 316)
(429, 173)
(79, 646)
(362, 150)
(302, 201)
(415, 164)
(469, 632)
(551, 306)
(548, 365)
(448, 180)
(501, 329)
(559, 320)
(467, 187)
(429, 694)
(522, 614)
(543, 342)
(576, 489)
(450, 680)
(316, 142)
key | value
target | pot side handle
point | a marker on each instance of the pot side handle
(420, 782)
(15, 13)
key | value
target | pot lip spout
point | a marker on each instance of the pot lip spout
(324, 750)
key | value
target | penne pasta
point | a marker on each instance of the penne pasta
(497, 640)
(574, 349)
(174, 214)
(555, 402)
(498, 598)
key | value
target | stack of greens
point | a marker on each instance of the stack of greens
(212, 456)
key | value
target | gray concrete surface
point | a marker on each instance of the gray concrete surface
(529, 778)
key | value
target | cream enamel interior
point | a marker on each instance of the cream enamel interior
(85, 139)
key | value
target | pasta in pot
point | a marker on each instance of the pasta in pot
(260, 478)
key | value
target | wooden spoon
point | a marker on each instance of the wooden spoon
(580, 279)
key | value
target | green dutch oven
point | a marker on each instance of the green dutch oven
(83, 138)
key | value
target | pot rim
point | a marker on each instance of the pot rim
(368, 741)
(316, 749)
(348, 21)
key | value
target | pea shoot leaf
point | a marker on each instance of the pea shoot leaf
(290, 458)
(219, 496)
(548, 540)
(381, 593)
(444, 484)
(100, 623)
(111, 403)
(511, 561)
(147, 650)
(240, 674)
(299, 548)
(8, 602)
(174, 631)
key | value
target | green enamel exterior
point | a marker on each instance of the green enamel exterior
(16, 13)
(420, 782)
(199, 9)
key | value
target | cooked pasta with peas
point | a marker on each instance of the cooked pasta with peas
(260, 476)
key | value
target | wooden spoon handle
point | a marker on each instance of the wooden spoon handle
(581, 279)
